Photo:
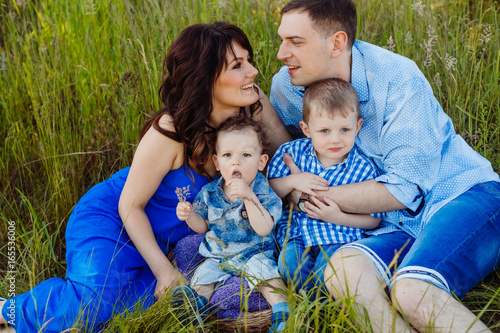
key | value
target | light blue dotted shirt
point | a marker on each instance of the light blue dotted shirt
(230, 234)
(406, 133)
(354, 168)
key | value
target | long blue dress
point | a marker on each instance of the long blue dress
(106, 274)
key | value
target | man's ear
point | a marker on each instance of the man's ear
(304, 128)
(216, 163)
(263, 161)
(338, 43)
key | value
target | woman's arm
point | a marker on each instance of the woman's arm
(155, 156)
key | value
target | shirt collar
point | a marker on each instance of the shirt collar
(358, 74)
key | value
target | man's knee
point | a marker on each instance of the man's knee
(346, 260)
(344, 265)
(412, 296)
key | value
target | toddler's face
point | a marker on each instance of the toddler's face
(332, 136)
(239, 155)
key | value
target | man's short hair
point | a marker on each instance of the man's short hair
(332, 95)
(328, 16)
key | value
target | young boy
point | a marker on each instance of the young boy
(237, 211)
(327, 157)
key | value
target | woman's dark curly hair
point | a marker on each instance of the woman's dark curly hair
(193, 64)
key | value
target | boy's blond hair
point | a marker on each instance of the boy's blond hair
(331, 95)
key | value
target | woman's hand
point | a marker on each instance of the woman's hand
(168, 281)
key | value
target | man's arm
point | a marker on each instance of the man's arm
(366, 197)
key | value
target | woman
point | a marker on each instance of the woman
(119, 233)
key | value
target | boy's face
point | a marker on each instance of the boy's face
(239, 155)
(332, 135)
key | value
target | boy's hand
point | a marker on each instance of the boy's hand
(307, 182)
(326, 210)
(184, 210)
(238, 188)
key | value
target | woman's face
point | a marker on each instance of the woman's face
(234, 88)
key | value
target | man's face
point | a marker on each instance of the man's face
(304, 50)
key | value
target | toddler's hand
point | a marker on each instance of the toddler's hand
(239, 188)
(184, 210)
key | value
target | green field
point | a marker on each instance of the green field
(78, 78)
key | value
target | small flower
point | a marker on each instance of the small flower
(182, 193)
(437, 80)
(450, 63)
(408, 38)
(91, 7)
(431, 32)
(485, 36)
(418, 7)
(391, 45)
(222, 4)
(428, 51)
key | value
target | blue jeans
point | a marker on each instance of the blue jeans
(458, 246)
(304, 267)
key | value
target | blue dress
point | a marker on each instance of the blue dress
(106, 274)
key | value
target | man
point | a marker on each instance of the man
(442, 198)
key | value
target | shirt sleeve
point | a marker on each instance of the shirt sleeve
(277, 167)
(200, 202)
(287, 101)
(412, 138)
(272, 203)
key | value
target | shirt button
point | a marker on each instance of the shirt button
(400, 223)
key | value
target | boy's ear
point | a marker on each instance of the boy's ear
(216, 163)
(263, 161)
(338, 42)
(358, 126)
(304, 128)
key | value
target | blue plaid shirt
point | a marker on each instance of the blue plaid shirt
(354, 168)
(230, 235)
(423, 162)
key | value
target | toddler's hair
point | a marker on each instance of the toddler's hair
(241, 123)
(330, 95)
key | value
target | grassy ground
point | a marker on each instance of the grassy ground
(77, 79)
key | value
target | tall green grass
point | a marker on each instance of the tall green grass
(77, 79)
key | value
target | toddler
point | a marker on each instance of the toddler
(237, 211)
